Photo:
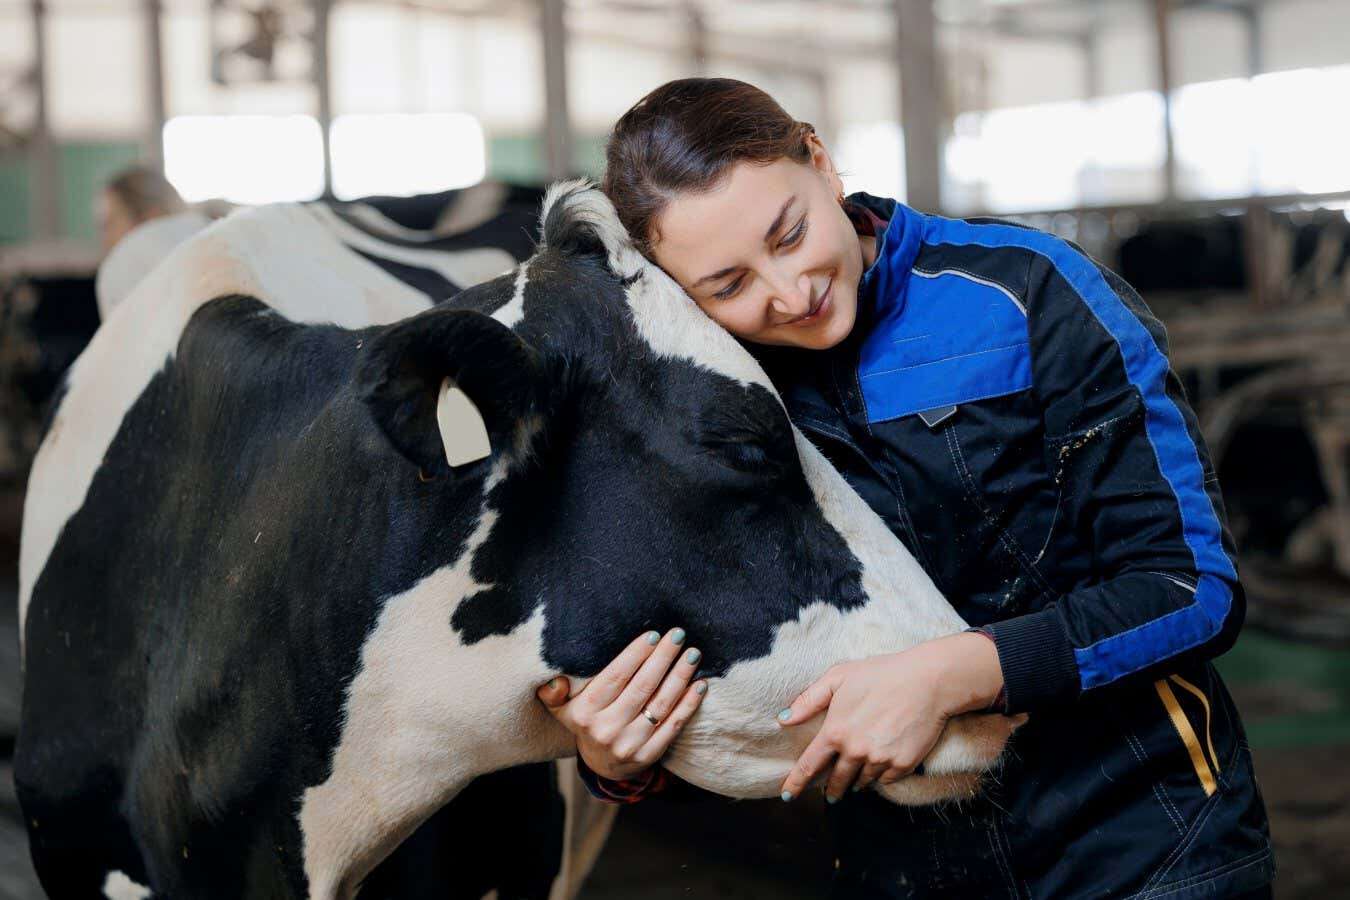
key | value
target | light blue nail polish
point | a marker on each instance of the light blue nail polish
(786, 796)
(701, 688)
(784, 714)
(693, 656)
(653, 637)
(677, 637)
(830, 799)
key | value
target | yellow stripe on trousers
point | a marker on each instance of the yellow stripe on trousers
(1187, 733)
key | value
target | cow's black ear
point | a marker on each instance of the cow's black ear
(403, 379)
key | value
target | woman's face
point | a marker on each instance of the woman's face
(768, 253)
(114, 220)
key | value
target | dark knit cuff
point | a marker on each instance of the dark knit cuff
(630, 790)
(1039, 669)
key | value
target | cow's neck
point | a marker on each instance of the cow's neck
(425, 714)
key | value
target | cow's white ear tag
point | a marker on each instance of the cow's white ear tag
(463, 431)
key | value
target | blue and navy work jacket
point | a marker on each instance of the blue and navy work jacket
(1006, 405)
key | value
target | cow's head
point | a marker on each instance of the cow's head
(642, 473)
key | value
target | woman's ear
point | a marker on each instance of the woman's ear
(824, 164)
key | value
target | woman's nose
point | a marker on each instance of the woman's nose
(792, 297)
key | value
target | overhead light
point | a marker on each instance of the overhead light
(406, 154)
(244, 159)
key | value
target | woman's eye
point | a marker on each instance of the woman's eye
(795, 235)
(730, 289)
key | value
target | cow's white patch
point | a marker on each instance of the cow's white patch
(735, 746)
(315, 280)
(460, 267)
(463, 431)
(512, 312)
(117, 886)
(377, 221)
(424, 714)
(666, 318)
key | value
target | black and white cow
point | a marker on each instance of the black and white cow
(292, 570)
(526, 832)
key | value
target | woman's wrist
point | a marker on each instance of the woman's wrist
(972, 679)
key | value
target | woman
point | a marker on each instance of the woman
(1006, 406)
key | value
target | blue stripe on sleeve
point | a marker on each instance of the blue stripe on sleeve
(1178, 459)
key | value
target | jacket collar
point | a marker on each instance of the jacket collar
(883, 285)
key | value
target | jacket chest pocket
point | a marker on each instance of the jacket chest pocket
(995, 451)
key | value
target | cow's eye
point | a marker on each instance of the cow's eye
(743, 454)
(754, 448)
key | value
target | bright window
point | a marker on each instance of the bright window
(403, 155)
(244, 159)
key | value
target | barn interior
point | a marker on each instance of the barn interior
(1191, 145)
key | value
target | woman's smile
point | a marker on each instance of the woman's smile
(818, 309)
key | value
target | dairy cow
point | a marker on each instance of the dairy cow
(526, 832)
(289, 577)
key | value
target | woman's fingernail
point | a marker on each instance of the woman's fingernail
(553, 685)
(677, 637)
(701, 688)
(653, 637)
(786, 795)
(831, 799)
(784, 714)
(693, 656)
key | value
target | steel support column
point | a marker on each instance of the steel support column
(698, 39)
(1161, 10)
(557, 124)
(44, 200)
(153, 150)
(920, 106)
(323, 87)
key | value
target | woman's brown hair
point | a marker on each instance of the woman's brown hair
(684, 136)
(145, 193)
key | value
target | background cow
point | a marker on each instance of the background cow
(312, 630)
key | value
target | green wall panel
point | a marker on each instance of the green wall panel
(520, 158)
(1296, 693)
(83, 170)
(13, 200)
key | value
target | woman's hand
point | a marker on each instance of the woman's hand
(610, 715)
(885, 713)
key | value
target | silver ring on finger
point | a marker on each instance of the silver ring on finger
(647, 714)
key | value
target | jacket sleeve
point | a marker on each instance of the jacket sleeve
(653, 781)
(1136, 483)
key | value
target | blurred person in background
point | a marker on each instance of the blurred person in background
(1006, 406)
(141, 219)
